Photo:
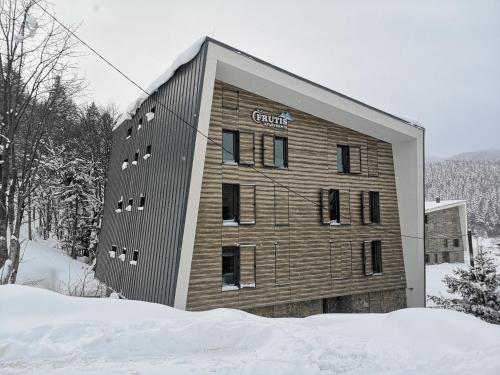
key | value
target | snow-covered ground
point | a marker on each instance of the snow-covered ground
(43, 332)
(436, 273)
(46, 266)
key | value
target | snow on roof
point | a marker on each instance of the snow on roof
(182, 59)
(433, 206)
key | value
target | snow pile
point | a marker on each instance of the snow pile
(182, 59)
(44, 265)
(44, 332)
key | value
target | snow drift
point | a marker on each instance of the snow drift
(44, 332)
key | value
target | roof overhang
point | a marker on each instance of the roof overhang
(444, 205)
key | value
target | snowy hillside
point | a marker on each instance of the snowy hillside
(45, 265)
(476, 181)
(44, 332)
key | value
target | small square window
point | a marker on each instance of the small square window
(112, 252)
(456, 242)
(120, 205)
(135, 258)
(230, 146)
(142, 201)
(230, 266)
(280, 152)
(343, 163)
(230, 204)
(123, 254)
(147, 155)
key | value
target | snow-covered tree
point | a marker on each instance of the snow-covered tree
(479, 289)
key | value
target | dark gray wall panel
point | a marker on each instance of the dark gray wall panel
(164, 179)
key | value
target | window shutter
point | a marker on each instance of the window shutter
(282, 259)
(373, 158)
(346, 249)
(365, 207)
(367, 258)
(345, 207)
(281, 205)
(247, 148)
(247, 266)
(247, 204)
(336, 260)
(355, 159)
(325, 213)
(268, 150)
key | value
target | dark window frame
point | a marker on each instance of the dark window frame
(334, 205)
(236, 146)
(377, 257)
(374, 202)
(135, 255)
(285, 152)
(456, 242)
(346, 160)
(142, 201)
(232, 214)
(230, 262)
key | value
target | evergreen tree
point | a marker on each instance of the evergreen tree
(479, 288)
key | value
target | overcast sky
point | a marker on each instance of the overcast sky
(434, 62)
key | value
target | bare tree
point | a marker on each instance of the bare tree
(36, 66)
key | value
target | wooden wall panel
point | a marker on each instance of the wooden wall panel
(293, 262)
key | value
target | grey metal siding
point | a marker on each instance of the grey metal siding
(164, 179)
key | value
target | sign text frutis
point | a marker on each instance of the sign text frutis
(280, 121)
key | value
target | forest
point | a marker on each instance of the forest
(54, 144)
(477, 180)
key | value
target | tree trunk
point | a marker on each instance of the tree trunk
(75, 225)
(30, 237)
(15, 249)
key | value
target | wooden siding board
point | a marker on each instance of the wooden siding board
(312, 166)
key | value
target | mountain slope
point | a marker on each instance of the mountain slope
(474, 177)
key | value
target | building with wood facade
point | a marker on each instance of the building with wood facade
(238, 184)
(445, 231)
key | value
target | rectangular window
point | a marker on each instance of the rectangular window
(334, 205)
(377, 256)
(230, 266)
(230, 146)
(135, 256)
(125, 164)
(230, 204)
(139, 125)
(374, 207)
(427, 259)
(129, 133)
(142, 201)
(136, 158)
(343, 164)
(456, 242)
(280, 152)
(445, 242)
(426, 219)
